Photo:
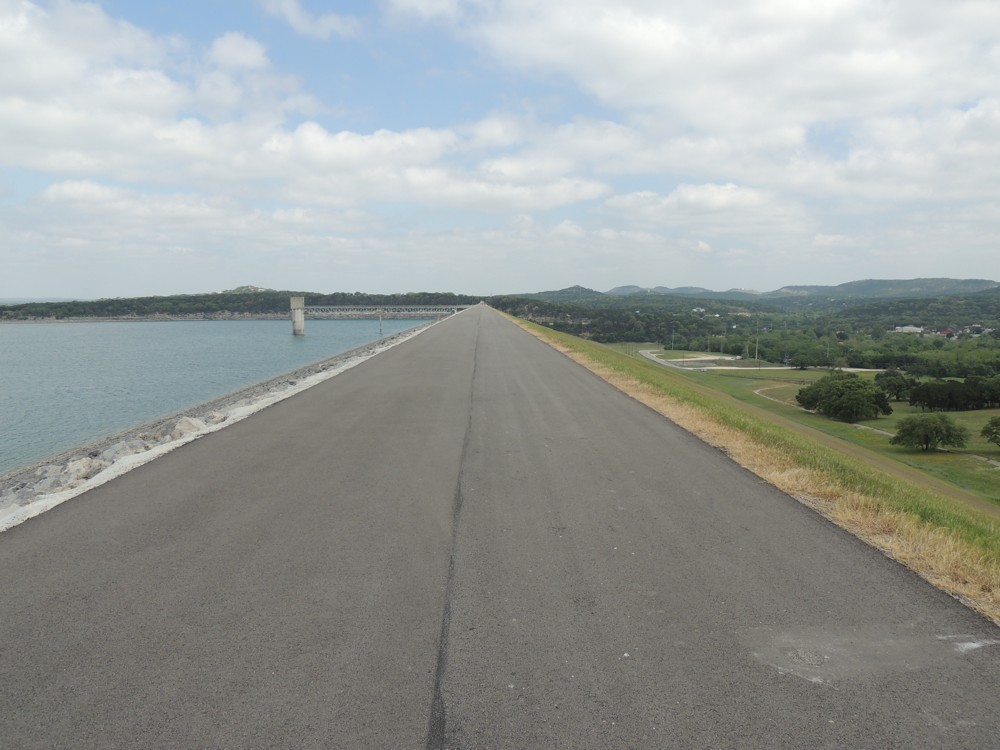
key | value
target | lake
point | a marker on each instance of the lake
(65, 384)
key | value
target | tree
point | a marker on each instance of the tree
(845, 396)
(896, 383)
(992, 430)
(928, 431)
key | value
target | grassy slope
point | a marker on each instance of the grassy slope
(962, 468)
(950, 536)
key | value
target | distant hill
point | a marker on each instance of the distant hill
(867, 289)
(247, 289)
(570, 295)
(689, 291)
(893, 288)
(624, 291)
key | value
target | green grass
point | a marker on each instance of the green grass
(632, 348)
(682, 353)
(973, 421)
(711, 395)
(957, 466)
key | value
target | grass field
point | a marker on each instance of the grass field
(963, 467)
(926, 516)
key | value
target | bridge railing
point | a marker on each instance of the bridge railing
(299, 310)
(384, 310)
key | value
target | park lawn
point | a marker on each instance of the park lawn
(963, 470)
(973, 421)
(960, 467)
(631, 347)
(684, 353)
(963, 467)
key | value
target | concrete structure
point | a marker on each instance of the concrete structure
(299, 310)
(298, 316)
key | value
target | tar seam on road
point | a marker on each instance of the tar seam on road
(436, 724)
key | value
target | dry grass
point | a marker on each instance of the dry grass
(965, 565)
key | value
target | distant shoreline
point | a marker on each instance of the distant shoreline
(197, 317)
(151, 318)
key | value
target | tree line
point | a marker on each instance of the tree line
(846, 397)
(957, 395)
(800, 339)
(208, 305)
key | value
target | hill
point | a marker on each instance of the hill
(690, 291)
(866, 289)
(570, 295)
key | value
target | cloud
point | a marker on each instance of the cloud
(237, 51)
(305, 23)
(834, 240)
(722, 144)
(711, 209)
(752, 91)
(448, 10)
(729, 65)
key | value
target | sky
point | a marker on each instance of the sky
(494, 146)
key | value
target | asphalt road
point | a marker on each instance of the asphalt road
(471, 542)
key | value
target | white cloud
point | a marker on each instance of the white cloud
(729, 65)
(735, 91)
(307, 24)
(736, 144)
(835, 240)
(710, 208)
(312, 144)
(238, 51)
(450, 10)
(81, 192)
(497, 130)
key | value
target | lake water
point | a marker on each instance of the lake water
(65, 384)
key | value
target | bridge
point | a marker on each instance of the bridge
(299, 310)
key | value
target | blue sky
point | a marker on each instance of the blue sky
(494, 146)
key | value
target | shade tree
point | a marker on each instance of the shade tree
(929, 431)
(845, 397)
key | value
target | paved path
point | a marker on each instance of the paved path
(471, 542)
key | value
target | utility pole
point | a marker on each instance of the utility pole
(756, 346)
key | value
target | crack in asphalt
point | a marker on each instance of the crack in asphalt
(437, 720)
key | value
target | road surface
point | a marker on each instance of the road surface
(471, 542)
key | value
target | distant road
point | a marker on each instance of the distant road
(651, 355)
(471, 542)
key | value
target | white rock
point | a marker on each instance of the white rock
(49, 471)
(85, 468)
(185, 426)
(124, 448)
